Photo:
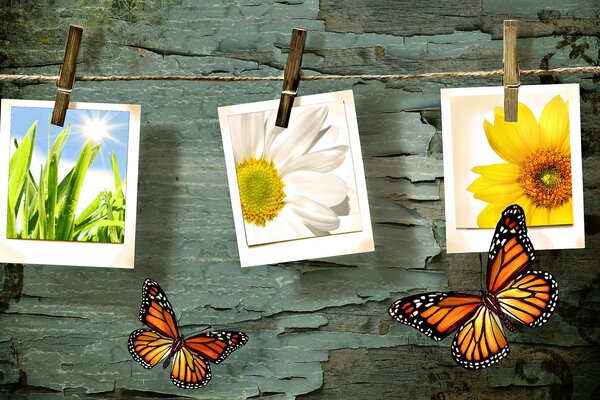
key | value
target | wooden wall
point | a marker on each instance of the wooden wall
(318, 329)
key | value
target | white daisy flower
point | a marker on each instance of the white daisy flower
(286, 187)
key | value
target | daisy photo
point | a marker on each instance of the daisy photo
(305, 181)
(534, 162)
(70, 183)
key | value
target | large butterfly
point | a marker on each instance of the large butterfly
(163, 341)
(526, 296)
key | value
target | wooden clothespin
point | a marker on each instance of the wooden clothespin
(511, 79)
(291, 77)
(66, 77)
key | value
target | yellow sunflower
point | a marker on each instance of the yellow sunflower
(537, 172)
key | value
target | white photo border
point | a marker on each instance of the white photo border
(465, 240)
(306, 248)
(47, 252)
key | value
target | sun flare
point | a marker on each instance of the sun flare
(96, 127)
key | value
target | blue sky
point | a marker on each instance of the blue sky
(85, 124)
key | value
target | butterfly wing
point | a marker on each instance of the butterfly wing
(435, 314)
(480, 342)
(216, 346)
(156, 311)
(190, 370)
(511, 251)
(531, 298)
(148, 347)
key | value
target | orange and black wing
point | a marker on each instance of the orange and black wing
(480, 342)
(190, 370)
(148, 347)
(435, 314)
(156, 311)
(511, 251)
(531, 298)
(216, 346)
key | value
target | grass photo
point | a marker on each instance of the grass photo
(67, 184)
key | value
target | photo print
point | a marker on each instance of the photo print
(69, 192)
(297, 192)
(534, 162)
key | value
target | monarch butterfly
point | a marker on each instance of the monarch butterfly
(526, 296)
(164, 341)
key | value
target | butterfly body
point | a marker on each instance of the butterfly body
(529, 297)
(163, 341)
(177, 345)
(490, 301)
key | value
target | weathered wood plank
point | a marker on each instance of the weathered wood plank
(318, 329)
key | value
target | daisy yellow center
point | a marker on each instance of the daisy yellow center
(261, 190)
(546, 178)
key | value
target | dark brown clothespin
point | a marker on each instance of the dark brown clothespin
(291, 77)
(66, 77)
(511, 79)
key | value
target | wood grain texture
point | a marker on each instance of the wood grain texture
(66, 77)
(291, 77)
(510, 65)
(318, 329)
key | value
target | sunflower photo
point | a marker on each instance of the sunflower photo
(535, 162)
(297, 192)
(67, 184)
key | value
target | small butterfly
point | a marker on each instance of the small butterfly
(163, 341)
(529, 297)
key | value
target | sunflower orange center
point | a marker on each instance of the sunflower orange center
(546, 178)
(261, 190)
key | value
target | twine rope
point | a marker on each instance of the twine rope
(430, 75)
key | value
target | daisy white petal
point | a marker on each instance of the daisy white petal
(326, 189)
(314, 215)
(271, 132)
(320, 161)
(327, 138)
(299, 136)
(253, 134)
(240, 152)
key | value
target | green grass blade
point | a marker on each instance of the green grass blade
(101, 224)
(52, 192)
(66, 218)
(112, 232)
(25, 213)
(11, 224)
(32, 194)
(41, 200)
(19, 169)
(59, 143)
(92, 211)
(63, 186)
(115, 169)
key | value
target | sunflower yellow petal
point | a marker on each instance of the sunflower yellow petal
(528, 128)
(539, 216)
(562, 215)
(554, 124)
(480, 184)
(499, 173)
(488, 218)
(504, 139)
(500, 194)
